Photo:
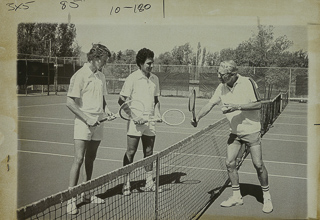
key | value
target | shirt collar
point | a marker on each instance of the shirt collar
(141, 75)
(87, 66)
(239, 80)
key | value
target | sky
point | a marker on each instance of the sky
(163, 38)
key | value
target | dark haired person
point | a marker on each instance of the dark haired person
(86, 98)
(241, 105)
(143, 86)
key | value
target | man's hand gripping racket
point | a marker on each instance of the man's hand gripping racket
(129, 110)
(192, 107)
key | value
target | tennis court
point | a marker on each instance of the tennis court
(46, 153)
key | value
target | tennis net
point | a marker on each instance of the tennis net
(271, 109)
(190, 173)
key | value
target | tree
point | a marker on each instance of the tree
(47, 39)
(227, 54)
(182, 54)
(262, 50)
(165, 58)
(119, 55)
(203, 56)
(198, 56)
(66, 47)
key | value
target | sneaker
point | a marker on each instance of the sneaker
(151, 186)
(232, 201)
(267, 205)
(93, 199)
(84, 198)
(96, 200)
(126, 190)
(72, 207)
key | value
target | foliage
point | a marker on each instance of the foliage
(48, 39)
(182, 55)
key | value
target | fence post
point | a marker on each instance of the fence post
(289, 83)
(157, 188)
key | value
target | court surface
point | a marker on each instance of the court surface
(45, 154)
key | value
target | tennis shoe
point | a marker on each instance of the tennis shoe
(96, 200)
(93, 199)
(151, 186)
(232, 201)
(72, 207)
(126, 190)
(267, 205)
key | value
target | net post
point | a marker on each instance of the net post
(157, 188)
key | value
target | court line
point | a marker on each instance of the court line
(274, 175)
(289, 124)
(289, 135)
(273, 139)
(200, 155)
(71, 144)
(158, 126)
(291, 116)
(30, 106)
(194, 130)
(120, 161)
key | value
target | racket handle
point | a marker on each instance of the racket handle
(155, 120)
(109, 118)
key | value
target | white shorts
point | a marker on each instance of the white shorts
(148, 129)
(84, 132)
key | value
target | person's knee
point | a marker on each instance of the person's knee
(131, 152)
(148, 151)
(259, 166)
(231, 165)
(78, 160)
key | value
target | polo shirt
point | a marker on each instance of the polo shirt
(139, 87)
(90, 88)
(244, 91)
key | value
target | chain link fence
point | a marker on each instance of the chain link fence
(175, 80)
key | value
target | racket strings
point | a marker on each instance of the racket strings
(131, 110)
(173, 117)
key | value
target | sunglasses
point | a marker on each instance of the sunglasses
(224, 75)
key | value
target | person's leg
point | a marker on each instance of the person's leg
(256, 155)
(148, 145)
(233, 148)
(90, 156)
(132, 146)
(79, 151)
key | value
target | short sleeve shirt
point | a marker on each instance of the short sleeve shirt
(244, 91)
(90, 88)
(139, 87)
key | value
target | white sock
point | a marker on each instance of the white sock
(236, 191)
(266, 193)
(149, 177)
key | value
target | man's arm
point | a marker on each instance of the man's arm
(122, 99)
(227, 108)
(105, 106)
(203, 112)
(72, 105)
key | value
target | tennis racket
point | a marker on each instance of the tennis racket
(192, 104)
(129, 110)
(172, 117)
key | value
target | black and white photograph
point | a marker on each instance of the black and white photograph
(160, 110)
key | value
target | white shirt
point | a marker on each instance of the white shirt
(139, 87)
(244, 91)
(90, 88)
